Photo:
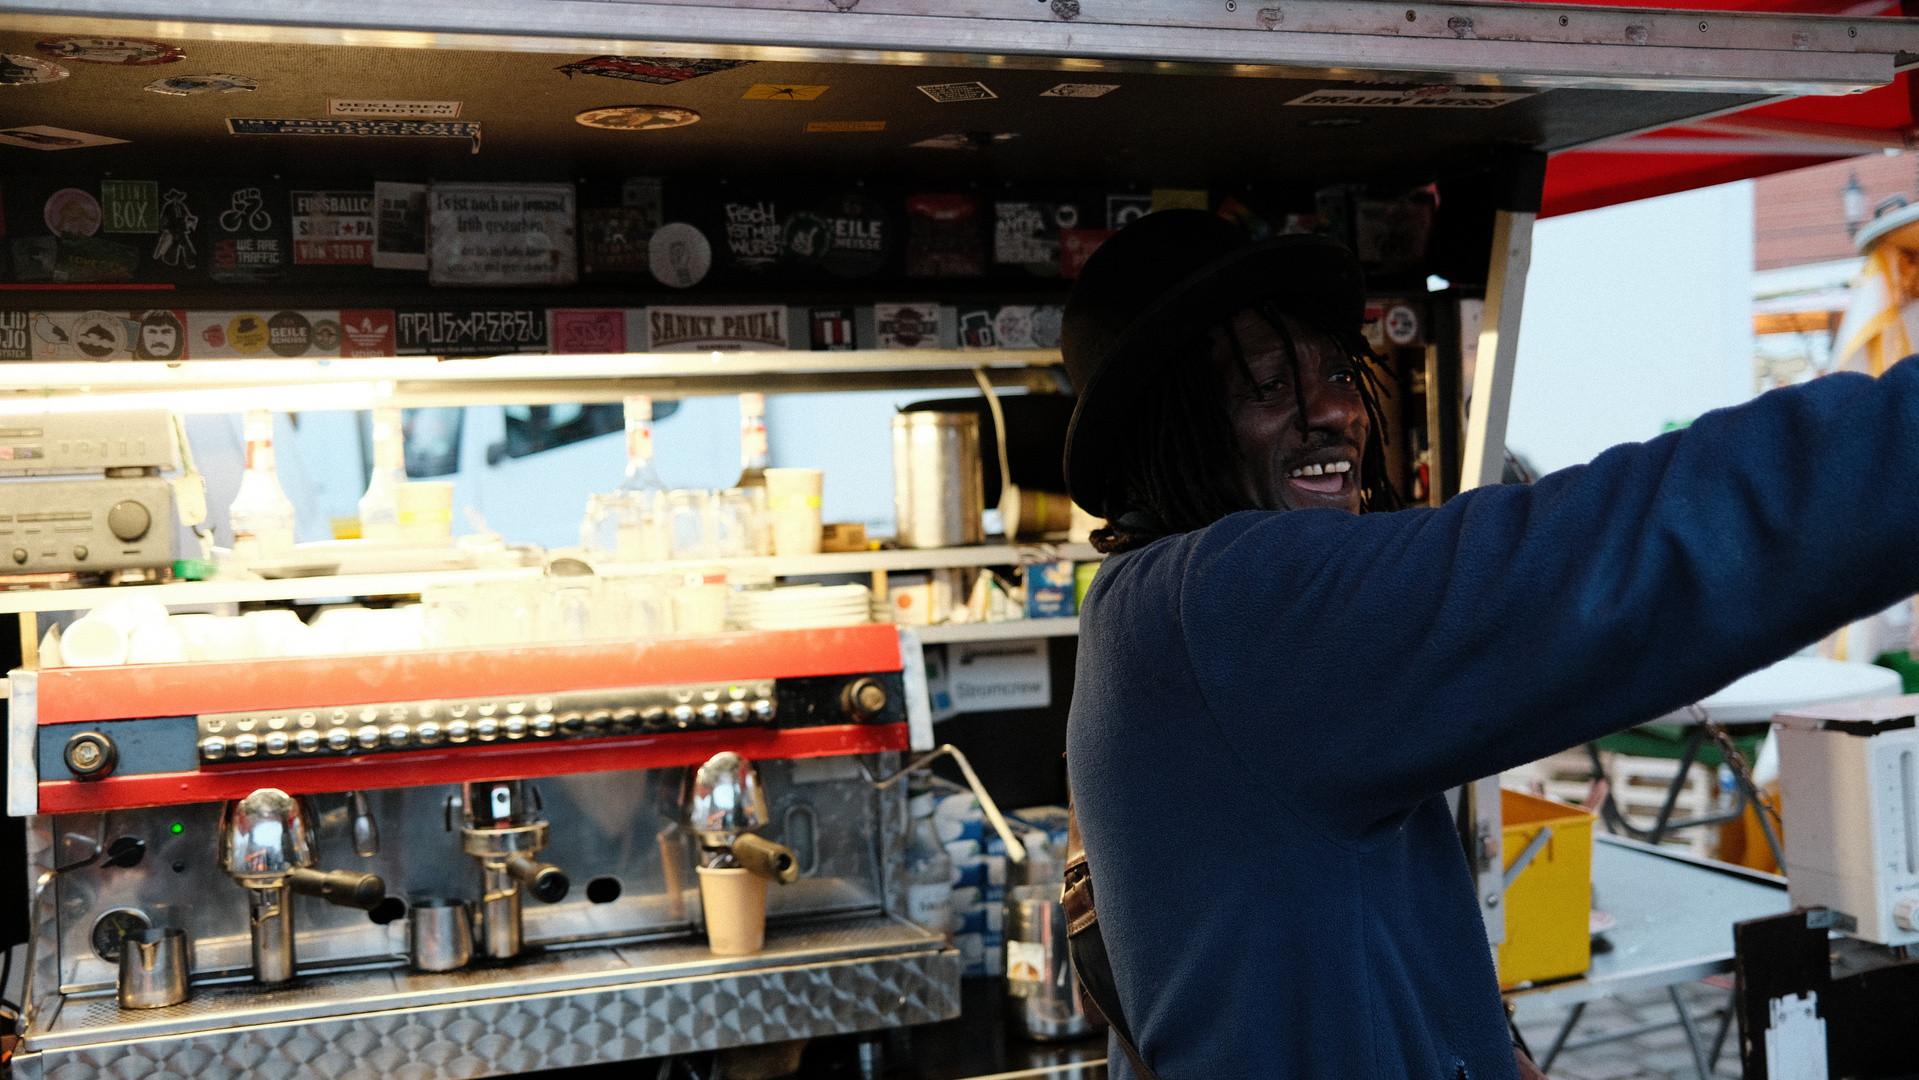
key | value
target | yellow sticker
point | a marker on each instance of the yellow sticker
(1178, 199)
(781, 92)
(247, 334)
(846, 125)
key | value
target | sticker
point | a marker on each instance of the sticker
(469, 331)
(419, 110)
(587, 331)
(136, 52)
(99, 335)
(753, 233)
(399, 227)
(326, 337)
(782, 92)
(52, 336)
(1078, 245)
(1402, 324)
(1014, 326)
(189, 85)
(977, 330)
(246, 334)
(177, 224)
(162, 335)
(16, 341)
(701, 329)
(411, 129)
(289, 333)
(643, 193)
(1026, 961)
(845, 125)
(72, 259)
(659, 70)
(1080, 90)
(366, 333)
(832, 329)
(966, 140)
(679, 255)
(501, 234)
(333, 228)
(959, 91)
(613, 240)
(846, 238)
(72, 212)
(252, 240)
(1047, 319)
(17, 70)
(1024, 233)
(129, 206)
(1123, 210)
(1178, 199)
(637, 117)
(945, 236)
(44, 137)
(1417, 97)
(907, 326)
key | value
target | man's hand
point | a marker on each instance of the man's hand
(1527, 1070)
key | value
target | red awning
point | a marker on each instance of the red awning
(1755, 142)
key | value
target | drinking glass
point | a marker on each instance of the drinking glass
(691, 521)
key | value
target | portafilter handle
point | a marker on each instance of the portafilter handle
(342, 888)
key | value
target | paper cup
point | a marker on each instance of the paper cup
(699, 600)
(426, 511)
(735, 904)
(793, 500)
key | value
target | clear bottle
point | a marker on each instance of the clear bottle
(640, 473)
(929, 869)
(261, 515)
(754, 457)
(380, 506)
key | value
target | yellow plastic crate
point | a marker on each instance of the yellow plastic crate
(1548, 906)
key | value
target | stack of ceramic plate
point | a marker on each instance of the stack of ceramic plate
(801, 606)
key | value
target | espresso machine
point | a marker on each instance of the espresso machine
(286, 816)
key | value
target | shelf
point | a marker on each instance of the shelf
(305, 385)
(309, 588)
(1018, 630)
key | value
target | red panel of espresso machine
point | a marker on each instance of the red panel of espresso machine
(754, 662)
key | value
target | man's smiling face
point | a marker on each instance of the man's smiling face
(1287, 464)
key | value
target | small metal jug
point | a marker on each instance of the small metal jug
(153, 968)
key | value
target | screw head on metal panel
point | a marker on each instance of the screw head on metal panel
(1411, 15)
(1232, 5)
(1702, 26)
(1563, 20)
(91, 755)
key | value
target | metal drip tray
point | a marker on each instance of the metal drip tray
(816, 978)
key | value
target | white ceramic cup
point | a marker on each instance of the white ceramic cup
(103, 636)
(156, 643)
(229, 639)
(793, 500)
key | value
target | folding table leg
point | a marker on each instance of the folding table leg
(1692, 1033)
(1566, 1029)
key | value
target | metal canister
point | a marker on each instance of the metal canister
(1041, 994)
(153, 968)
(938, 492)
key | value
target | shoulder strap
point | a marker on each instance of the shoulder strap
(1088, 945)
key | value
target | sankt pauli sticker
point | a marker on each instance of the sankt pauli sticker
(119, 51)
(637, 117)
(211, 83)
(17, 70)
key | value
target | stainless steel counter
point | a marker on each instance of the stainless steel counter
(548, 1010)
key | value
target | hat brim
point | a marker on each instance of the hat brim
(1307, 274)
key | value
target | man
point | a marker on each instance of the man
(1275, 691)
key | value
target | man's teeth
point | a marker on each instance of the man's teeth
(1321, 470)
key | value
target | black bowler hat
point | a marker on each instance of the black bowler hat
(1158, 284)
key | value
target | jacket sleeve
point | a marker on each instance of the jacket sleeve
(1362, 664)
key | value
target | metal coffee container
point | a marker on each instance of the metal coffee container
(937, 487)
(440, 935)
(1041, 995)
(153, 968)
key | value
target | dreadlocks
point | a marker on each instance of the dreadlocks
(1180, 472)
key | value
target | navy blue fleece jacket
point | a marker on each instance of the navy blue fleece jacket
(1268, 711)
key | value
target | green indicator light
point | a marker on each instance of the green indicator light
(177, 828)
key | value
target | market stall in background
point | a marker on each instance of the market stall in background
(388, 784)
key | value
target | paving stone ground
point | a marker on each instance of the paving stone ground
(1660, 1054)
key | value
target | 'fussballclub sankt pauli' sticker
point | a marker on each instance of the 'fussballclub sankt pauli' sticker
(958, 91)
(637, 117)
(1413, 97)
(679, 255)
(658, 70)
(119, 51)
(17, 70)
(211, 83)
(44, 137)
(1080, 90)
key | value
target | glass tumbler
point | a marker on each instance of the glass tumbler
(692, 523)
